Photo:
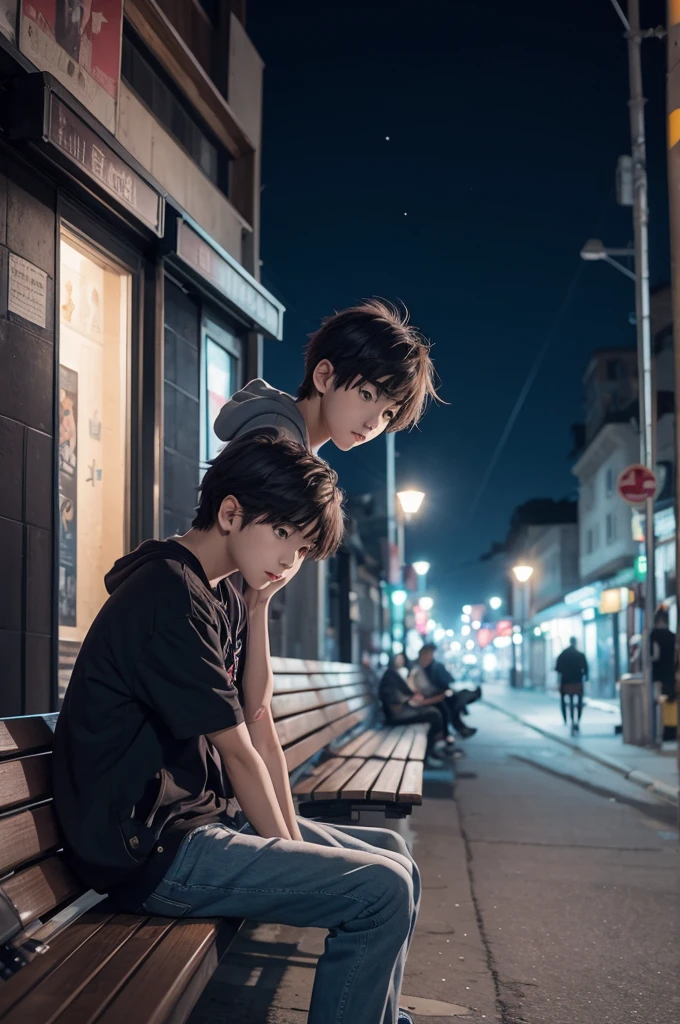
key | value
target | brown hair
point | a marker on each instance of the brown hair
(374, 343)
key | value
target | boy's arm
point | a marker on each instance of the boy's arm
(251, 781)
(258, 684)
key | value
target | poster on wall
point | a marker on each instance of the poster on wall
(79, 43)
(8, 19)
(68, 495)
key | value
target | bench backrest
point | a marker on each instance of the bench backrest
(313, 704)
(29, 842)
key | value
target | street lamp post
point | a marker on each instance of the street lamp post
(522, 574)
(421, 570)
(409, 505)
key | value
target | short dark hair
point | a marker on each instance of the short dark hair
(276, 481)
(661, 616)
(374, 343)
(428, 647)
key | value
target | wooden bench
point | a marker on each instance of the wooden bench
(328, 711)
(106, 967)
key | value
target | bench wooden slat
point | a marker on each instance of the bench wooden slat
(294, 703)
(153, 991)
(411, 786)
(419, 744)
(312, 780)
(331, 787)
(114, 972)
(355, 745)
(302, 751)
(359, 787)
(403, 747)
(26, 835)
(39, 889)
(20, 735)
(386, 786)
(391, 737)
(343, 725)
(30, 977)
(369, 748)
(298, 683)
(297, 726)
(54, 994)
(25, 779)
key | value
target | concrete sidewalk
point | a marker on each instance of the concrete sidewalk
(654, 770)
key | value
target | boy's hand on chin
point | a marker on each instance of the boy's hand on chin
(257, 598)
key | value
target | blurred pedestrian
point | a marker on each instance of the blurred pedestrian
(402, 707)
(662, 648)
(572, 669)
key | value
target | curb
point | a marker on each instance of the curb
(670, 793)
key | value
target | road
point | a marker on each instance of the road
(551, 895)
(574, 877)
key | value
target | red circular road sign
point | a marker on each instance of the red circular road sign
(636, 484)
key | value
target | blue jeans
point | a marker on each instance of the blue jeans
(360, 883)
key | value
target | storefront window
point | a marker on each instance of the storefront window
(94, 327)
(221, 374)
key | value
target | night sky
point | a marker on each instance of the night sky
(505, 123)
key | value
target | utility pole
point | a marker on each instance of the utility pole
(673, 109)
(647, 396)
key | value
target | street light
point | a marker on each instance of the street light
(410, 501)
(399, 598)
(522, 573)
(426, 603)
(409, 504)
(421, 568)
(595, 249)
(495, 603)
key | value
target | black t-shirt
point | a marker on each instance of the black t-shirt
(393, 691)
(133, 772)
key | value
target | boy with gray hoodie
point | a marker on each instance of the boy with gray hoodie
(367, 370)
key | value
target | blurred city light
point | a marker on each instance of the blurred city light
(517, 638)
(490, 662)
(502, 641)
(538, 631)
(476, 625)
(465, 618)
(588, 614)
(455, 645)
(466, 631)
(439, 634)
(421, 568)
(426, 603)
(470, 645)
(399, 597)
(431, 624)
(469, 659)
(397, 647)
(523, 573)
(410, 501)
(495, 603)
(467, 609)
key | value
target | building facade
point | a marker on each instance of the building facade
(130, 305)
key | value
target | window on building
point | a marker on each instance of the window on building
(150, 82)
(611, 528)
(610, 482)
(221, 371)
(94, 332)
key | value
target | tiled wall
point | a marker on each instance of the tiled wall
(27, 228)
(181, 412)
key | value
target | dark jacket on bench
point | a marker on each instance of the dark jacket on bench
(133, 771)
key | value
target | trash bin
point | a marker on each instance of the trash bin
(634, 711)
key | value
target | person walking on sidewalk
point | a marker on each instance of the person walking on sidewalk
(662, 648)
(572, 669)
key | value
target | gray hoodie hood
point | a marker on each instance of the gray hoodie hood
(258, 405)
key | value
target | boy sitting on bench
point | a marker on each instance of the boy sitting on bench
(158, 731)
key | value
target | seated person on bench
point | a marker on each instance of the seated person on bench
(431, 679)
(168, 715)
(402, 706)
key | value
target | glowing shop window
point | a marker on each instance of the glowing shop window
(94, 327)
(220, 374)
